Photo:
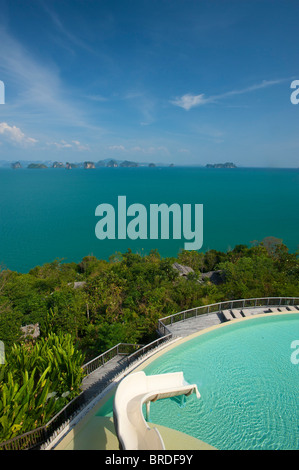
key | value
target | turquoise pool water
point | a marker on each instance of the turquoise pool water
(248, 384)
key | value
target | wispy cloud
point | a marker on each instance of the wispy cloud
(144, 104)
(140, 149)
(74, 144)
(98, 98)
(117, 147)
(80, 146)
(64, 31)
(15, 135)
(189, 100)
(38, 89)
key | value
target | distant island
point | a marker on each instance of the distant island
(36, 166)
(107, 163)
(87, 165)
(221, 165)
(16, 165)
(127, 164)
(58, 165)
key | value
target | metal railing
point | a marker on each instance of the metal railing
(140, 353)
(121, 349)
(37, 437)
(218, 307)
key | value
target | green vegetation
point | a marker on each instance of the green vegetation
(84, 309)
(36, 381)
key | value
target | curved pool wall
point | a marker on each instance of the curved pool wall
(249, 386)
(103, 407)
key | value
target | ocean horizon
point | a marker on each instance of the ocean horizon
(48, 214)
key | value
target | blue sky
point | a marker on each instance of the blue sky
(172, 81)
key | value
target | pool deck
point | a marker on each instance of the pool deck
(99, 434)
(202, 322)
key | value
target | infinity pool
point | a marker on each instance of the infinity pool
(248, 384)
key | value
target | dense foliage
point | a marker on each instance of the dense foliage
(101, 303)
(36, 381)
(86, 308)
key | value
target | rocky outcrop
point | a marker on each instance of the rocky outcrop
(182, 270)
(213, 276)
(30, 331)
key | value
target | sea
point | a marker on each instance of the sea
(49, 214)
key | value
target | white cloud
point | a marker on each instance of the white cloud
(67, 145)
(15, 135)
(80, 146)
(60, 145)
(117, 147)
(189, 101)
(150, 150)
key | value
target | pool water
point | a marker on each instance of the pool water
(248, 384)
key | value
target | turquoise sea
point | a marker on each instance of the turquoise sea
(50, 214)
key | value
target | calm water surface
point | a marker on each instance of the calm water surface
(50, 214)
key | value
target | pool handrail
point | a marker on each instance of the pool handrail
(224, 305)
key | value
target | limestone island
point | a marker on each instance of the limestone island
(70, 166)
(127, 164)
(58, 165)
(16, 165)
(36, 166)
(112, 164)
(89, 165)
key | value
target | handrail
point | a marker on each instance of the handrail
(118, 349)
(41, 435)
